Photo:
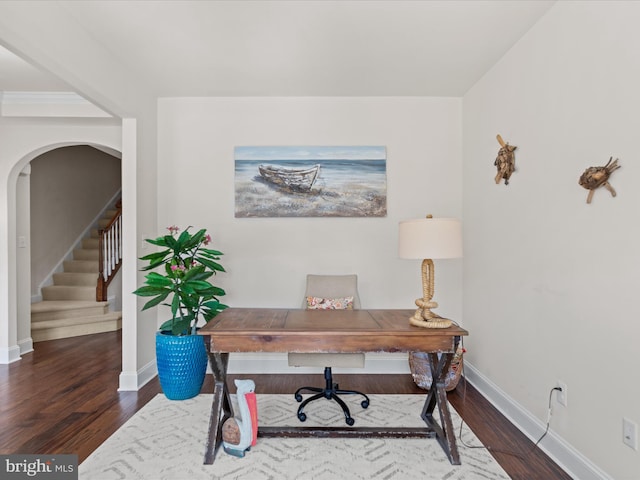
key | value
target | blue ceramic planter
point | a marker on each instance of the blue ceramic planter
(182, 364)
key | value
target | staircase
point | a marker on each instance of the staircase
(69, 307)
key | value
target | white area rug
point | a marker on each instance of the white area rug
(166, 440)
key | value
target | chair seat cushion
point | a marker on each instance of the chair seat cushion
(347, 360)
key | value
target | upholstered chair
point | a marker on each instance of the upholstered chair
(329, 292)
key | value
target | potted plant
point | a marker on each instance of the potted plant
(182, 284)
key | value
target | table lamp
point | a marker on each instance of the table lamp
(427, 239)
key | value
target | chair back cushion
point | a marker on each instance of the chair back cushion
(320, 303)
(331, 287)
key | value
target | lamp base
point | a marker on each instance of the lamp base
(425, 318)
(443, 323)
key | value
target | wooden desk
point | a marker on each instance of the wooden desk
(330, 331)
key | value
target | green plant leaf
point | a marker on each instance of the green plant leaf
(175, 305)
(218, 292)
(155, 301)
(190, 301)
(160, 241)
(176, 327)
(215, 305)
(152, 257)
(197, 273)
(181, 326)
(207, 252)
(199, 284)
(166, 326)
(149, 291)
(170, 242)
(211, 264)
(188, 289)
(156, 280)
(211, 309)
(184, 237)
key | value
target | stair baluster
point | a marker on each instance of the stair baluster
(110, 251)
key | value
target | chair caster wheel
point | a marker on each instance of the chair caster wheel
(298, 397)
(350, 421)
(302, 416)
(365, 403)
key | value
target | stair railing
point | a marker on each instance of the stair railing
(110, 251)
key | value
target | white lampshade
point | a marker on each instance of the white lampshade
(430, 238)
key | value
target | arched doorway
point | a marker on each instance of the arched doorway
(74, 191)
(14, 267)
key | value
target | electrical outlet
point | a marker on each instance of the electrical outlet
(630, 433)
(561, 395)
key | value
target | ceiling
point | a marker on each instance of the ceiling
(295, 48)
(18, 75)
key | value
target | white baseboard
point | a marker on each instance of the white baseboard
(9, 354)
(25, 345)
(247, 363)
(567, 457)
(134, 381)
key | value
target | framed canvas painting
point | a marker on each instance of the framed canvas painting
(303, 181)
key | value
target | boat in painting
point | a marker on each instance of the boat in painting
(301, 179)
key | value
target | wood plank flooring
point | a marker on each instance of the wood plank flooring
(63, 398)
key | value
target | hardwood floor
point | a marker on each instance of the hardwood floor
(63, 398)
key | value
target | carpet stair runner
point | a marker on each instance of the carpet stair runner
(69, 307)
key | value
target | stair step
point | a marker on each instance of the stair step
(67, 292)
(69, 308)
(75, 279)
(80, 266)
(90, 243)
(71, 321)
(86, 254)
(41, 331)
(62, 309)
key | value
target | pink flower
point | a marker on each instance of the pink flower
(173, 229)
(174, 268)
(207, 239)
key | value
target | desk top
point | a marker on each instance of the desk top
(326, 331)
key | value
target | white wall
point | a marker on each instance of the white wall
(549, 281)
(267, 258)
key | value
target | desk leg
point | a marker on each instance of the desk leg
(221, 408)
(438, 396)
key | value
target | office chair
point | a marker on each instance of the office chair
(329, 292)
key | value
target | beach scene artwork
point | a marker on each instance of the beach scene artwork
(310, 181)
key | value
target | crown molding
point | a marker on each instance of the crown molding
(47, 104)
